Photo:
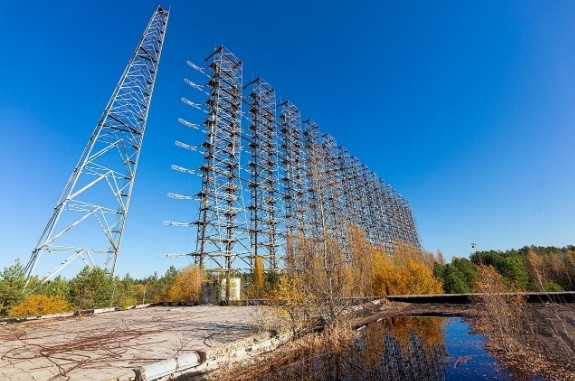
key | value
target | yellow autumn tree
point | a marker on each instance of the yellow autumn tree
(489, 281)
(139, 291)
(323, 274)
(536, 268)
(407, 271)
(362, 263)
(187, 286)
(505, 314)
(36, 304)
(292, 305)
(257, 290)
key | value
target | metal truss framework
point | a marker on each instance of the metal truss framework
(299, 181)
(219, 235)
(292, 168)
(263, 171)
(97, 195)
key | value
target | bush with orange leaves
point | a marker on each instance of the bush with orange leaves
(407, 271)
(374, 272)
(186, 286)
(36, 304)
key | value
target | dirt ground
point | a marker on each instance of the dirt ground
(547, 346)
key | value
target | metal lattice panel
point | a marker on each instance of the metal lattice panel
(315, 184)
(333, 179)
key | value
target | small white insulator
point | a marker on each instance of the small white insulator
(194, 85)
(185, 146)
(192, 104)
(189, 124)
(195, 67)
(183, 170)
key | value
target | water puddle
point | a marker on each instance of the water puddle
(469, 360)
(405, 349)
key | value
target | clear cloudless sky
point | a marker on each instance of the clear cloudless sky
(465, 107)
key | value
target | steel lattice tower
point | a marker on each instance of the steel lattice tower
(300, 183)
(333, 178)
(292, 169)
(220, 204)
(97, 195)
(263, 171)
(315, 185)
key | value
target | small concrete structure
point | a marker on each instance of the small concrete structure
(109, 346)
(235, 284)
(209, 292)
(215, 291)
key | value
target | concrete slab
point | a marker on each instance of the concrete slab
(109, 346)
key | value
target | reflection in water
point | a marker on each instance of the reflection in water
(406, 348)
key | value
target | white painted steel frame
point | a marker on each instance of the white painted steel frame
(107, 166)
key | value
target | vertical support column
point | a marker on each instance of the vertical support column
(350, 200)
(293, 179)
(376, 207)
(366, 202)
(392, 208)
(349, 205)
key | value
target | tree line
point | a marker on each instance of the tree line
(91, 288)
(316, 278)
(531, 268)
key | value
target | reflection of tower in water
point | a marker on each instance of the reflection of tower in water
(404, 349)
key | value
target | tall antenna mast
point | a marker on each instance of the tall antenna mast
(263, 170)
(220, 204)
(88, 221)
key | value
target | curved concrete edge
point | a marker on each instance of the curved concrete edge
(241, 351)
(157, 370)
(36, 317)
(73, 313)
(204, 363)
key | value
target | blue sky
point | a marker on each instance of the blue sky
(466, 108)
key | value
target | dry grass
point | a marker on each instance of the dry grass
(536, 338)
